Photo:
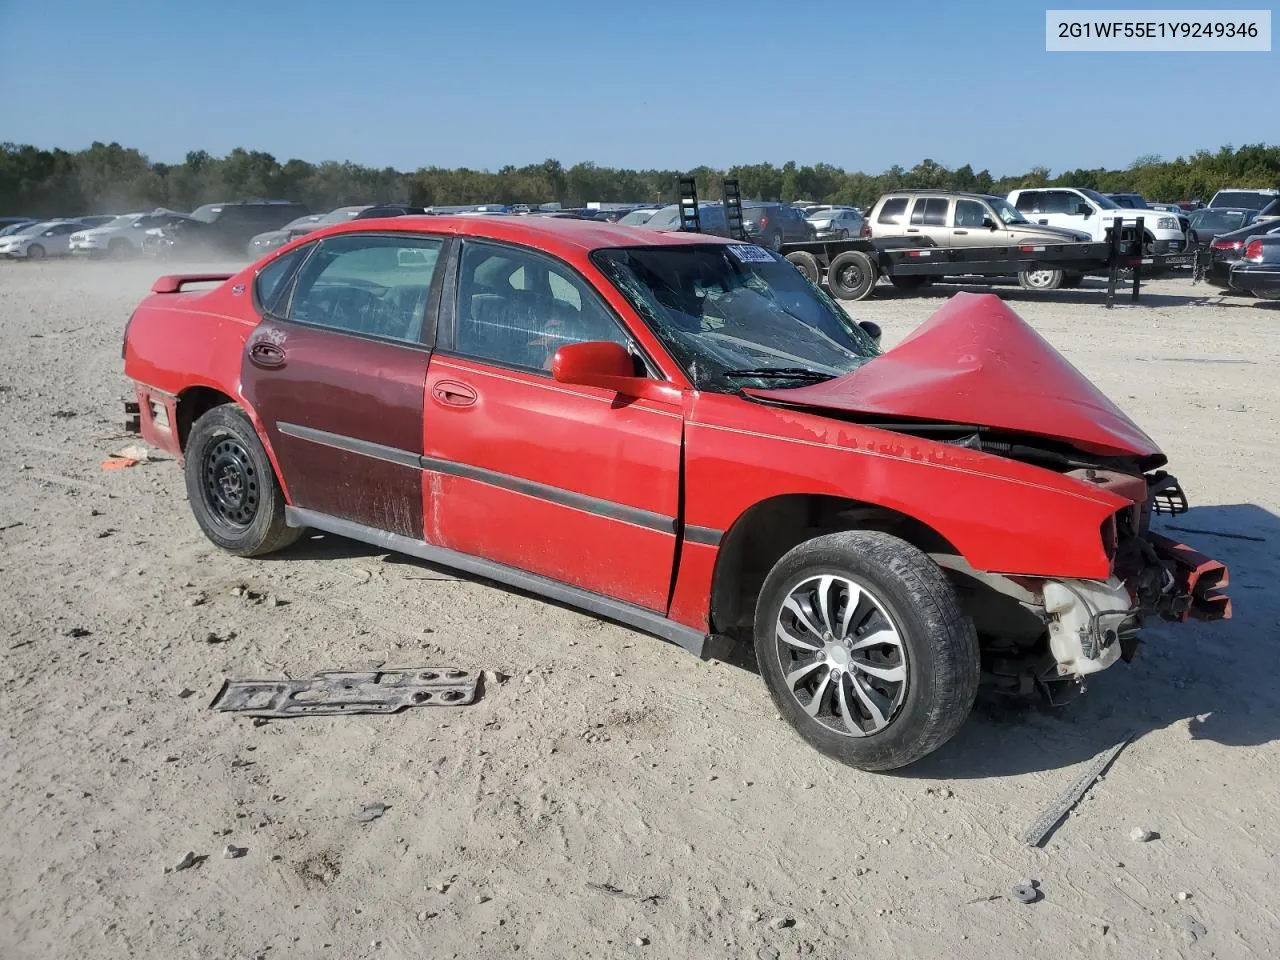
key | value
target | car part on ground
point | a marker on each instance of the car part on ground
(719, 447)
(336, 692)
(1038, 832)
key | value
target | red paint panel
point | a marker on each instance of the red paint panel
(976, 361)
(355, 388)
(1002, 516)
(579, 440)
(620, 560)
(691, 599)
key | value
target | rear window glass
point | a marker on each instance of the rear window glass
(892, 210)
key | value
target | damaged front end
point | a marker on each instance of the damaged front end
(1052, 633)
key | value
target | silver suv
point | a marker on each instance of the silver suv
(952, 219)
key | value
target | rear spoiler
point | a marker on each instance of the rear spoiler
(174, 282)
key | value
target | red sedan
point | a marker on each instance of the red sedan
(680, 433)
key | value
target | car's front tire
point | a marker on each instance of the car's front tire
(36, 252)
(865, 649)
(232, 487)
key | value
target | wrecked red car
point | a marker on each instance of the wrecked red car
(680, 433)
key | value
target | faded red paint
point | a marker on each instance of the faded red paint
(974, 362)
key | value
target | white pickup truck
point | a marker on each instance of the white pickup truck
(1086, 210)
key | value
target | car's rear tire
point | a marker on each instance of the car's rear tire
(232, 487)
(807, 264)
(776, 241)
(878, 686)
(852, 275)
(1040, 279)
(36, 252)
(1071, 279)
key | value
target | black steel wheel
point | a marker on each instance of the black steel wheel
(232, 487)
(852, 275)
(806, 263)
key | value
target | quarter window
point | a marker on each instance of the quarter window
(273, 279)
(376, 286)
(517, 308)
(892, 210)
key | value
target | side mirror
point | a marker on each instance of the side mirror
(871, 329)
(988, 223)
(1084, 210)
(608, 366)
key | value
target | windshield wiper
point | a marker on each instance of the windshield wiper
(781, 373)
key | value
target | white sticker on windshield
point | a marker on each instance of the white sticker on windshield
(749, 253)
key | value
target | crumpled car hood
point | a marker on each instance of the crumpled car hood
(977, 362)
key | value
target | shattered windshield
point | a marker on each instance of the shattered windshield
(737, 315)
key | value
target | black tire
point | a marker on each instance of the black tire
(775, 241)
(807, 264)
(1071, 279)
(1040, 279)
(908, 283)
(938, 648)
(35, 252)
(233, 490)
(852, 275)
(120, 249)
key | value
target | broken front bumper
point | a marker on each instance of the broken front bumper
(1196, 583)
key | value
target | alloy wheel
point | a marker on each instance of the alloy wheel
(842, 655)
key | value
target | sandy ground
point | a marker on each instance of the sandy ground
(616, 797)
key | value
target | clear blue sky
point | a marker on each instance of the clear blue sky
(411, 83)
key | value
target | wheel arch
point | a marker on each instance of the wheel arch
(198, 399)
(768, 529)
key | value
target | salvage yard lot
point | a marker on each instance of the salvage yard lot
(615, 796)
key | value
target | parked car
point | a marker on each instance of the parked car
(1134, 201)
(1258, 270)
(1243, 198)
(1228, 248)
(35, 241)
(226, 228)
(1208, 224)
(671, 431)
(271, 239)
(1088, 211)
(949, 219)
(711, 214)
(122, 236)
(837, 223)
(6, 222)
(773, 224)
(638, 217)
(15, 226)
(391, 210)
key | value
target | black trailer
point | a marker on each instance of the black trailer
(852, 268)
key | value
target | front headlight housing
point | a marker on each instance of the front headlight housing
(1167, 223)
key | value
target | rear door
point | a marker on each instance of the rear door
(336, 372)
(573, 483)
(929, 219)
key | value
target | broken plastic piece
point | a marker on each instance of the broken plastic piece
(335, 692)
(1039, 831)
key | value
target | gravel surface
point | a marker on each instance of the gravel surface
(613, 796)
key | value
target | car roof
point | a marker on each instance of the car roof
(553, 234)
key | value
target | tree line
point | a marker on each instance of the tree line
(108, 178)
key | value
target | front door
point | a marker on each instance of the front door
(336, 373)
(572, 483)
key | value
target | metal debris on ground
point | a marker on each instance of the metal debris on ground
(334, 692)
(1044, 824)
(1026, 892)
(370, 812)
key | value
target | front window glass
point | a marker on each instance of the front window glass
(207, 213)
(736, 315)
(1106, 203)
